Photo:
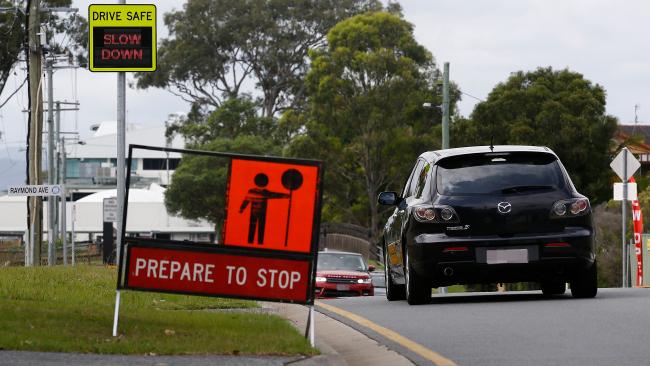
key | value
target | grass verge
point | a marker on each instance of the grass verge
(70, 309)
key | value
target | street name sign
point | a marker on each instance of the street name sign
(122, 37)
(35, 190)
(632, 165)
(110, 209)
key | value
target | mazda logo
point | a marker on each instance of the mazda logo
(504, 207)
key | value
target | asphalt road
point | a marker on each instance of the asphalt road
(520, 328)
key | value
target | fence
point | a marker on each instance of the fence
(349, 238)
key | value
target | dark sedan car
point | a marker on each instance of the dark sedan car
(488, 215)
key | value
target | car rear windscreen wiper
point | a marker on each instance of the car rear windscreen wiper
(520, 189)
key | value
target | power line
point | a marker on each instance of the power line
(471, 96)
(14, 93)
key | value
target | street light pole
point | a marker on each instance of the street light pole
(445, 107)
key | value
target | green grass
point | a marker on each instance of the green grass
(70, 309)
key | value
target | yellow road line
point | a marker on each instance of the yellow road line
(426, 353)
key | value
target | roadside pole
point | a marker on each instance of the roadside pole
(445, 122)
(51, 201)
(34, 137)
(623, 226)
(445, 107)
(64, 212)
(121, 155)
(72, 235)
(55, 171)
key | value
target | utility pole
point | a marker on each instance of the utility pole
(51, 201)
(34, 143)
(63, 204)
(55, 168)
(445, 107)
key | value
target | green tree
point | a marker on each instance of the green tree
(365, 115)
(67, 34)
(198, 187)
(559, 109)
(216, 46)
(11, 38)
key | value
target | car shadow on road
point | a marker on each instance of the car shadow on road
(495, 297)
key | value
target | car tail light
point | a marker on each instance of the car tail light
(557, 245)
(425, 214)
(570, 208)
(441, 214)
(455, 249)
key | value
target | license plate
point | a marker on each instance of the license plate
(503, 256)
(342, 287)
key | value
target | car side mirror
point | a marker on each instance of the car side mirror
(388, 198)
(371, 268)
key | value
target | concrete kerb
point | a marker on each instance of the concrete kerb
(339, 343)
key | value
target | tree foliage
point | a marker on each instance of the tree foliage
(559, 109)
(198, 187)
(217, 46)
(11, 39)
(67, 34)
(364, 117)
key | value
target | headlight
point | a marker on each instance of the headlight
(321, 279)
(364, 280)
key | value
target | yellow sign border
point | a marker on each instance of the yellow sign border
(124, 24)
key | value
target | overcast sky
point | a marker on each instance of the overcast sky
(484, 41)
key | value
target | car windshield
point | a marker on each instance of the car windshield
(340, 261)
(493, 173)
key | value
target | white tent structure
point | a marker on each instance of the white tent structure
(146, 215)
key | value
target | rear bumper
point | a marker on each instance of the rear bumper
(449, 260)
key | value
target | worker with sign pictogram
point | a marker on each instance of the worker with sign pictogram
(258, 198)
(264, 198)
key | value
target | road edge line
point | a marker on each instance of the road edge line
(422, 351)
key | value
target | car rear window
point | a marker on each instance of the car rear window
(494, 173)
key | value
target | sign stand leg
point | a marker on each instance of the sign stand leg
(309, 332)
(117, 313)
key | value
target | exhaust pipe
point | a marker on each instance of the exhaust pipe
(448, 271)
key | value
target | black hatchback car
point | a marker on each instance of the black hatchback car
(488, 215)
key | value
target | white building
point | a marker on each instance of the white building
(91, 166)
(91, 176)
(147, 216)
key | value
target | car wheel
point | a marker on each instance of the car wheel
(585, 282)
(393, 291)
(418, 289)
(550, 288)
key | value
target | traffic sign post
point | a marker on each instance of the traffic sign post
(624, 165)
(110, 209)
(42, 190)
(269, 240)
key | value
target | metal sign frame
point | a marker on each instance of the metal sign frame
(311, 257)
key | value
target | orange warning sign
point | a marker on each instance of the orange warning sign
(271, 205)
